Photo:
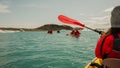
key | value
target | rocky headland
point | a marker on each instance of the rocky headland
(41, 28)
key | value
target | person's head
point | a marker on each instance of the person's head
(115, 20)
(115, 17)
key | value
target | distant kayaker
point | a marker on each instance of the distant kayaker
(58, 31)
(75, 33)
(72, 32)
(108, 45)
(50, 32)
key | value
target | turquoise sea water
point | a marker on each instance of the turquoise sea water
(42, 50)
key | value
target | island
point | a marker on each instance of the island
(45, 27)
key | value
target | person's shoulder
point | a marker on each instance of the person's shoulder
(109, 37)
(119, 34)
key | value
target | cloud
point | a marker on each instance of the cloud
(99, 22)
(4, 8)
(100, 18)
(108, 9)
(82, 14)
(90, 21)
(36, 6)
(29, 6)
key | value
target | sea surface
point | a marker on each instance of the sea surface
(42, 50)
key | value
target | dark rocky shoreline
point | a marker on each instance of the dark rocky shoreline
(41, 28)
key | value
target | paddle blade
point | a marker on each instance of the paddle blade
(68, 20)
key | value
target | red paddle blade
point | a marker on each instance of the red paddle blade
(68, 20)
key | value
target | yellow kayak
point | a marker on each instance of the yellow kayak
(95, 63)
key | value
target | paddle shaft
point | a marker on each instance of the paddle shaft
(93, 29)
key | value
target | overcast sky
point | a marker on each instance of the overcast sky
(35, 13)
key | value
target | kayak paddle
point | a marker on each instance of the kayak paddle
(68, 20)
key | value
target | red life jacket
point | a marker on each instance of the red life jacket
(49, 32)
(105, 48)
(115, 53)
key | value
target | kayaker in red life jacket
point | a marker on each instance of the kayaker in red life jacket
(77, 33)
(105, 47)
(72, 32)
(50, 32)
